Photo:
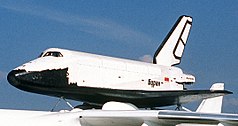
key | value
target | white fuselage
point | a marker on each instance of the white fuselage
(90, 70)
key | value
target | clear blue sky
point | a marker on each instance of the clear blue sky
(123, 28)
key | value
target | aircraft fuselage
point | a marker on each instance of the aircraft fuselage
(79, 76)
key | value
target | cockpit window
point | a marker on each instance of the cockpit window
(52, 53)
(41, 54)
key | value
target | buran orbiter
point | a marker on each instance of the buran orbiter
(95, 79)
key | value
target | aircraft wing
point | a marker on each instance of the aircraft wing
(143, 99)
(183, 117)
(154, 118)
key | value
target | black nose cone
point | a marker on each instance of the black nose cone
(48, 82)
(14, 77)
(33, 79)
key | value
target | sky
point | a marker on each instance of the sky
(131, 29)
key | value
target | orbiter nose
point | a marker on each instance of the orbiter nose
(14, 77)
(25, 80)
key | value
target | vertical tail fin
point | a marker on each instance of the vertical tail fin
(171, 50)
(212, 105)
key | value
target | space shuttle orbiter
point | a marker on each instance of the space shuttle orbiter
(96, 79)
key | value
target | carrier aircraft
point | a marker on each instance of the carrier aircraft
(96, 79)
(125, 114)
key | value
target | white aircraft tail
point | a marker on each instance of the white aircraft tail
(212, 105)
(171, 50)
